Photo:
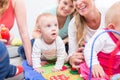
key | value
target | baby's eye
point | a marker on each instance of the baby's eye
(48, 25)
(56, 24)
(71, 6)
(65, 3)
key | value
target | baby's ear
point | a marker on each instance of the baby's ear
(36, 33)
(111, 26)
(39, 31)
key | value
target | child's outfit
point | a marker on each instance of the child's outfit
(55, 51)
(6, 69)
(105, 53)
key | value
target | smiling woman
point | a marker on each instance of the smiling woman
(88, 19)
(32, 12)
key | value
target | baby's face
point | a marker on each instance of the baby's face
(116, 26)
(49, 27)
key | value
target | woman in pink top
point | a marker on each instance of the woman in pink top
(8, 10)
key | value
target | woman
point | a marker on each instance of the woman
(8, 10)
(82, 27)
(63, 11)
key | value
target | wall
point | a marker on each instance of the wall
(34, 7)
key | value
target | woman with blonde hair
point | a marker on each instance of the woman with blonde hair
(86, 21)
(10, 9)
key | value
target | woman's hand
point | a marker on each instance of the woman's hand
(65, 40)
(76, 58)
(29, 60)
(5, 41)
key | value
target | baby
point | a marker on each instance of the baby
(49, 46)
(106, 51)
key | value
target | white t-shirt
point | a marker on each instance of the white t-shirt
(56, 50)
(73, 47)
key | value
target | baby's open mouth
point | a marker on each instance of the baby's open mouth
(53, 33)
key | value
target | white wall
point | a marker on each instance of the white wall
(34, 7)
(105, 3)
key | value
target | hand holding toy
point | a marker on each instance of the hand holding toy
(4, 33)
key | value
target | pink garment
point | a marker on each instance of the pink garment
(85, 72)
(8, 17)
(110, 67)
(110, 62)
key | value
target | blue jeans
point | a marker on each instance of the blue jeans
(21, 51)
(6, 69)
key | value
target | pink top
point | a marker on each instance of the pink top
(8, 17)
(111, 61)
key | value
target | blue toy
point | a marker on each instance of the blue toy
(30, 74)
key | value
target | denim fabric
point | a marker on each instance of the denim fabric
(21, 51)
(6, 69)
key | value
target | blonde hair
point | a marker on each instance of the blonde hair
(113, 14)
(3, 5)
(42, 15)
(80, 26)
(35, 33)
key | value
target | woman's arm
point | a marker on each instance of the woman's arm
(20, 14)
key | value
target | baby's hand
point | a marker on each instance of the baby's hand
(98, 71)
(39, 70)
(55, 70)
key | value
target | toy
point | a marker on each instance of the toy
(16, 42)
(116, 77)
(59, 77)
(4, 33)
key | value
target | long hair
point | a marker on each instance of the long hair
(81, 29)
(3, 5)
